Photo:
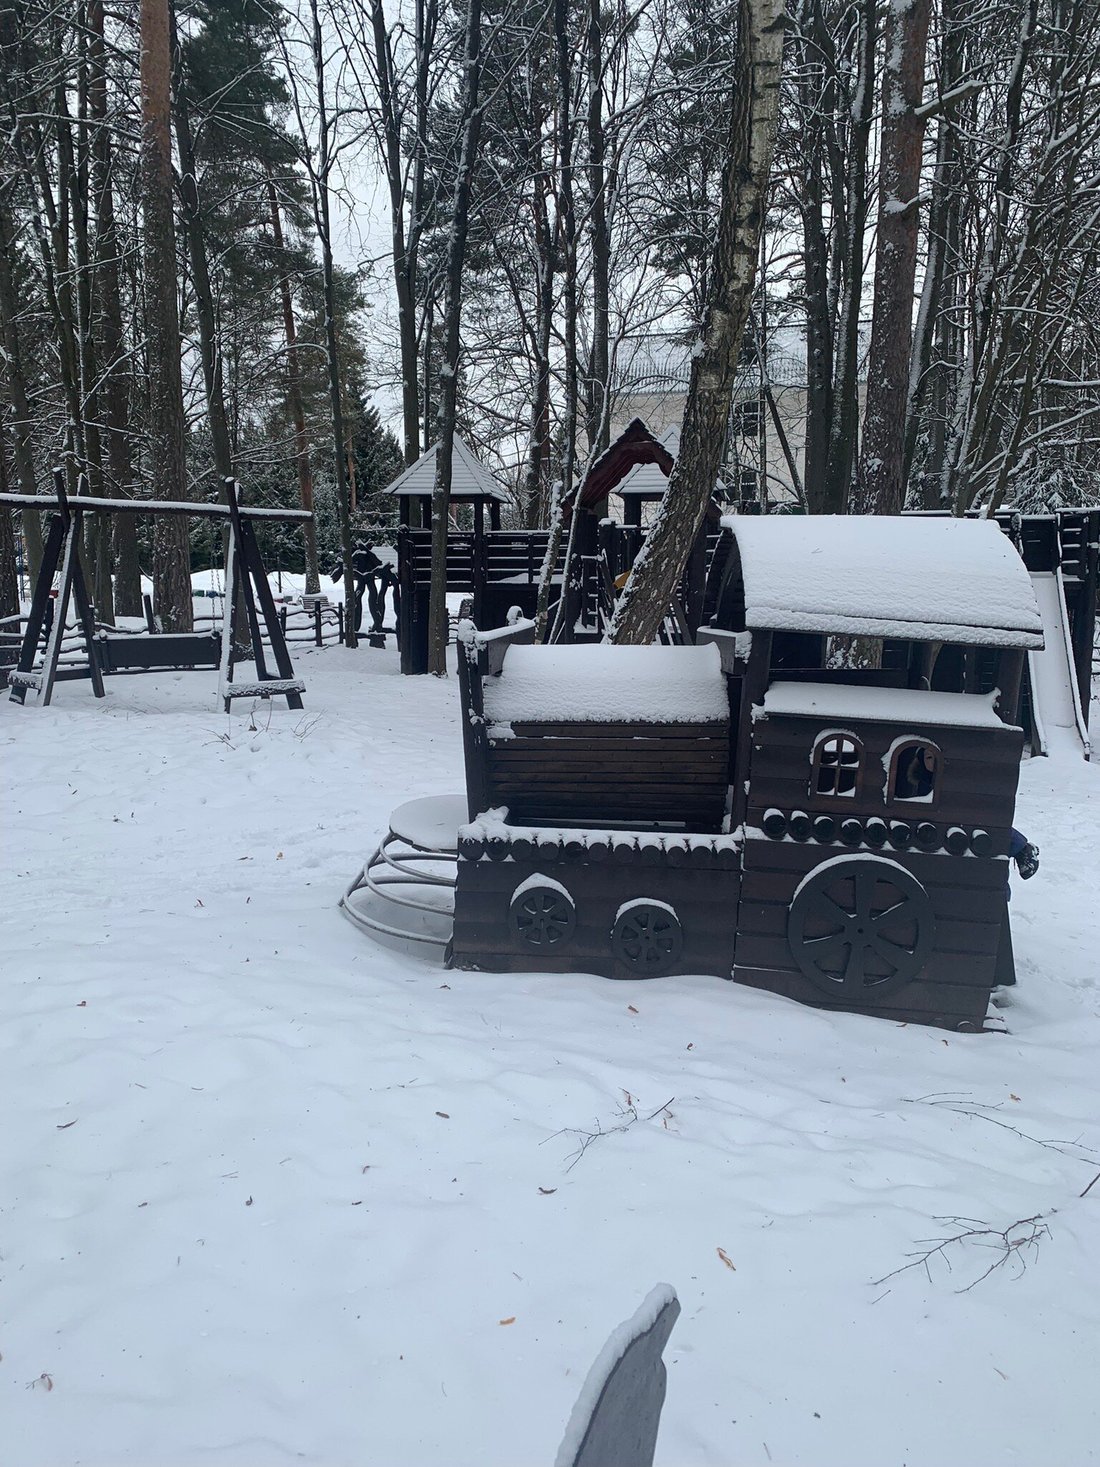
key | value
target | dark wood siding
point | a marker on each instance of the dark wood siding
(705, 901)
(968, 897)
(595, 774)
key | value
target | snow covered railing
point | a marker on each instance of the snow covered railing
(491, 838)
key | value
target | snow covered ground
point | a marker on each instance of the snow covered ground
(271, 1194)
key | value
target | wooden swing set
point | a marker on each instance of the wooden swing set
(111, 652)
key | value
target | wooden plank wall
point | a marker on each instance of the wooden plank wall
(703, 896)
(977, 788)
(612, 773)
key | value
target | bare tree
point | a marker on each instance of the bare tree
(294, 391)
(168, 472)
(117, 428)
(882, 485)
(645, 598)
(448, 403)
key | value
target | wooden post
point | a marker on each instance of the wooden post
(696, 581)
(475, 743)
(1009, 677)
(42, 612)
(753, 687)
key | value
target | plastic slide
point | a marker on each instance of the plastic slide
(1055, 702)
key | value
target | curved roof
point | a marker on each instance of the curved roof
(649, 480)
(469, 479)
(946, 580)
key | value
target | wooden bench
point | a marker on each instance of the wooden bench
(589, 736)
(145, 652)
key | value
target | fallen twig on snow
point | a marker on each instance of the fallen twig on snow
(1010, 1243)
(630, 1115)
(964, 1105)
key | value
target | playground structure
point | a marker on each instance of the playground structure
(500, 569)
(744, 808)
(111, 651)
(837, 836)
(1062, 554)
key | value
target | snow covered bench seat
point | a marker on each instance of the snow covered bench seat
(596, 735)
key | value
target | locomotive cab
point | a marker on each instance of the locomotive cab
(875, 809)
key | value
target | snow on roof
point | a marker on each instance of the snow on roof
(947, 580)
(469, 478)
(598, 683)
(912, 706)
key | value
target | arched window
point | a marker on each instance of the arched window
(914, 772)
(836, 765)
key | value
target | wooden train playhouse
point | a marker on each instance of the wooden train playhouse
(742, 808)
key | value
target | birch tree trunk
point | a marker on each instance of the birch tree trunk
(645, 598)
(171, 545)
(448, 393)
(881, 488)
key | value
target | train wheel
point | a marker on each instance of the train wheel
(860, 927)
(541, 917)
(647, 938)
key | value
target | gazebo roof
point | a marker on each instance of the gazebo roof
(470, 480)
(947, 580)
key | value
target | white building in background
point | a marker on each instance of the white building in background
(650, 382)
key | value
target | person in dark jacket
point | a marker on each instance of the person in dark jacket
(1023, 853)
(1026, 858)
(372, 576)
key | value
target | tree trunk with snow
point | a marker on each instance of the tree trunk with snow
(568, 225)
(405, 180)
(844, 420)
(171, 543)
(322, 218)
(448, 392)
(118, 464)
(599, 427)
(881, 487)
(9, 583)
(645, 598)
(20, 421)
(195, 231)
(294, 393)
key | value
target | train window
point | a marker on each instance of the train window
(914, 772)
(837, 758)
